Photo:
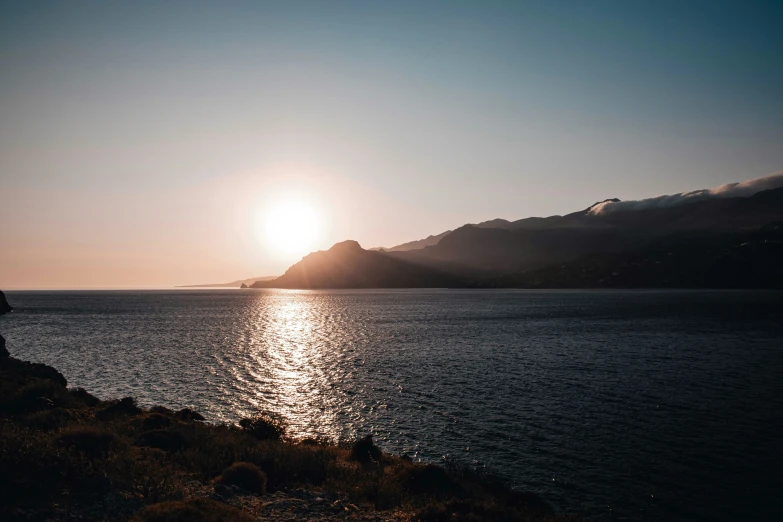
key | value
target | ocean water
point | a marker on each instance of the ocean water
(625, 405)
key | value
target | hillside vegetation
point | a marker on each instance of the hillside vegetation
(65, 454)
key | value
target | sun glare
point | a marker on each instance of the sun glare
(291, 227)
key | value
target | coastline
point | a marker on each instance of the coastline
(65, 453)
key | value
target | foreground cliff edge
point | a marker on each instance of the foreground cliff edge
(67, 454)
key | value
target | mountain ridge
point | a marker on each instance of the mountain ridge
(743, 189)
(528, 252)
(348, 265)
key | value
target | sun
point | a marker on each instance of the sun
(291, 227)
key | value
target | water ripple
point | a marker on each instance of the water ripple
(629, 405)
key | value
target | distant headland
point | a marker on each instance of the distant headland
(681, 241)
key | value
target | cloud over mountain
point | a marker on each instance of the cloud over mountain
(729, 190)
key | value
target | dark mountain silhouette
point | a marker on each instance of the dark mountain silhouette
(348, 265)
(4, 306)
(720, 242)
(526, 223)
(745, 259)
(415, 245)
(534, 243)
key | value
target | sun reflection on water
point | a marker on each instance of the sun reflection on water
(287, 363)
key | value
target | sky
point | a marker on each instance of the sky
(143, 143)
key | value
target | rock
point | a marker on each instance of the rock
(162, 410)
(156, 421)
(188, 414)
(5, 308)
(3, 352)
(243, 285)
(364, 450)
(23, 371)
(124, 407)
(224, 491)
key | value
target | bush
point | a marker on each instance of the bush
(166, 440)
(429, 480)
(364, 450)
(36, 396)
(82, 395)
(264, 426)
(244, 475)
(155, 421)
(48, 420)
(186, 414)
(192, 511)
(123, 407)
(87, 440)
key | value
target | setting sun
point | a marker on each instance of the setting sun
(291, 227)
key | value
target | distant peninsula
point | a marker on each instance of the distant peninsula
(233, 284)
(348, 265)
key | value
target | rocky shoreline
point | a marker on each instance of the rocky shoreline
(67, 455)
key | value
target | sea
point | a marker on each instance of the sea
(616, 405)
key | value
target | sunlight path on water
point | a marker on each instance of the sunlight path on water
(624, 403)
(286, 359)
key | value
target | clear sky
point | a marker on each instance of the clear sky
(141, 142)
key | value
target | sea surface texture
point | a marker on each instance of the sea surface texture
(625, 405)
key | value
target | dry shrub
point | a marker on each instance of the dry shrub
(123, 407)
(48, 420)
(264, 426)
(155, 421)
(429, 480)
(84, 396)
(244, 475)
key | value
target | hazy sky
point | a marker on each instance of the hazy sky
(140, 141)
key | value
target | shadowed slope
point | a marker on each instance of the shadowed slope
(483, 256)
(348, 265)
(537, 242)
(415, 245)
